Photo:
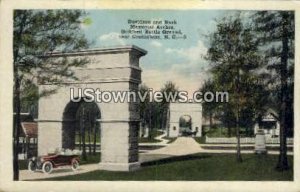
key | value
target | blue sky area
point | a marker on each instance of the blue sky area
(179, 60)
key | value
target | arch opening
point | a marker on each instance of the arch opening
(81, 128)
(185, 124)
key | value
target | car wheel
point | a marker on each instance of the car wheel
(32, 166)
(75, 165)
(47, 167)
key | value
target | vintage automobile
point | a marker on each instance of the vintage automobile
(188, 132)
(57, 159)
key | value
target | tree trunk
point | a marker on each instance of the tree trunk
(27, 146)
(150, 123)
(17, 126)
(95, 138)
(282, 160)
(229, 129)
(163, 119)
(79, 133)
(238, 147)
(83, 136)
(17, 102)
(89, 134)
(210, 120)
(237, 121)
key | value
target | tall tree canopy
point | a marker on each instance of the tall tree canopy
(276, 33)
(36, 35)
(155, 114)
(234, 58)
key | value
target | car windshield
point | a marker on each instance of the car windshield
(65, 152)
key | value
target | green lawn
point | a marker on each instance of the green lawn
(217, 131)
(91, 159)
(200, 140)
(23, 164)
(198, 167)
(154, 134)
(221, 131)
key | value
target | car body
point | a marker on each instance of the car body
(46, 163)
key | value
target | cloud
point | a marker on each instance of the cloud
(156, 44)
(156, 79)
(188, 75)
(192, 54)
(112, 38)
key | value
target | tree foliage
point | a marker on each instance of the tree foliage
(235, 60)
(155, 114)
(37, 34)
(276, 32)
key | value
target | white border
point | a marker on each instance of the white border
(6, 85)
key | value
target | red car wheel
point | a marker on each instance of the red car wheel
(75, 164)
(32, 166)
(47, 167)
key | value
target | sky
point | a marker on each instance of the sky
(180, 61)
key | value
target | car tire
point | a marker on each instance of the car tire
(47, 167)
(75, 165)
(32, 166)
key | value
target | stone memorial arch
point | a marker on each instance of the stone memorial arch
(109, 69)
(179, 110)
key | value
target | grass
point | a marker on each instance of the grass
(91, 159)
(23, 164)
(199, 167)
(200, 140)
(148, 140)
(154, 133)
(217, 132)
(220, 131)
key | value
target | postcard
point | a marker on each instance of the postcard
(149, 96)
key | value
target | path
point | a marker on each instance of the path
(163, 142)
(181, 146)
(64, 171)
(187, 146)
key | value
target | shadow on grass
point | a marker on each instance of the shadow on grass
(174, 159)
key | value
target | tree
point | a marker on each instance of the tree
(169, 88)
(233, 55)
(209, 108)
(154, 114)
(87, 115)
(276, 31)
(144, 105)
(36, 35)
